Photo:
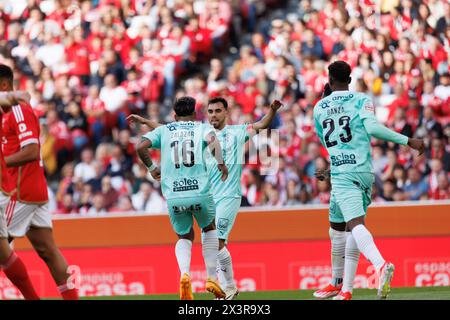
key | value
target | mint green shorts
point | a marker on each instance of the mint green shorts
(350, 196)
(226, 212)
(183, 210)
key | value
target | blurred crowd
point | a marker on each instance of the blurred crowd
(89, 64)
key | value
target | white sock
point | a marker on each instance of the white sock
(225, 268)
(183, 250)
(337, 256)
(220, 276)
(367, 247)
(351, 263)
(210, 249)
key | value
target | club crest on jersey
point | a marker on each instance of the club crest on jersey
(369, 107)
(222, 223)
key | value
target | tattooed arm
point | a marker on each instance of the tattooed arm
(142, 151)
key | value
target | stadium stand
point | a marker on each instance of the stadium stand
(89, 64)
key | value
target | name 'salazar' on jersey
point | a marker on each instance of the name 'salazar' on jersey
(182, 134)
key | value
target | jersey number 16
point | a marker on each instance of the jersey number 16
(187, 153)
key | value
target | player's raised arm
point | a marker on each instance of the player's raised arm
(216, 151)
(265, 122)
(379, 131)
(149, 123)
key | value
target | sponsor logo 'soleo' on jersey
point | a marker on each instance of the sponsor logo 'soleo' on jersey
(340, 159)
(185, 184)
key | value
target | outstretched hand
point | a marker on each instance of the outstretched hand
(223, 168)
(417, 144)
(156, 174)
(136, 118)
(322, 174)
(275, 105)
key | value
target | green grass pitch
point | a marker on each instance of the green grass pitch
(424, 293)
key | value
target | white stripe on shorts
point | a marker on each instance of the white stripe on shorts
(11, 211)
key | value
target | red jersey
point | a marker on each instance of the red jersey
(21, 128)
(4, 187)
(78, 58)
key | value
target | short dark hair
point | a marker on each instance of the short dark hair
(221, 100)
(6, 73)
(184, 106)
(340, 71)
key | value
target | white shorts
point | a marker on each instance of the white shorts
(226, 212)
(3, 203)
(20, 217)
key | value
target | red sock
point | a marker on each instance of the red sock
(16, 272)
(68, 294)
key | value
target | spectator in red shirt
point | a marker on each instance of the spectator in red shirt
(63, 142)
(201, 42)
(442, 192)
(94, 108)
(77, 56)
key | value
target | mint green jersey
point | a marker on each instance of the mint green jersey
(183, 163)
(232, 139)
(339, 120)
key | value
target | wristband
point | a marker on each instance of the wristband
(151, 168)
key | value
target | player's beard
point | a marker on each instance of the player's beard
(217, 124)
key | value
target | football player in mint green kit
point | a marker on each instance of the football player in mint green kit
(185, 184)
(345, 122)
(227, 195)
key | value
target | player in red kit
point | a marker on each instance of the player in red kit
(27, 211)
(10, 262)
